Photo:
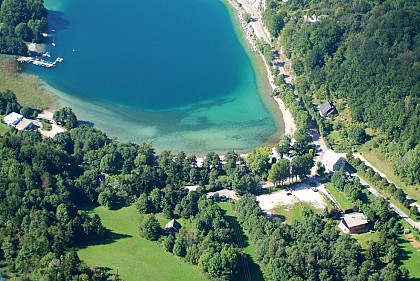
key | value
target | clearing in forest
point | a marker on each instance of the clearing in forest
(134, 258)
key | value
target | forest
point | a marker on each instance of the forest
(362, 55)
(312, 249)
(46, 184)
(21, 21)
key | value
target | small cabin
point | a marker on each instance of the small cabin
(172, 227)
(326, 109)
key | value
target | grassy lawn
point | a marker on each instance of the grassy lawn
(251, 269)
(410, 257)
(365, 239)
(3, 128)
(386, 167)
(134, 258)
(339, 196)
(295, 213)
(28, 88)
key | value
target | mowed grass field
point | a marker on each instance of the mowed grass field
(410, 257)
(134, 258)
(339, 196)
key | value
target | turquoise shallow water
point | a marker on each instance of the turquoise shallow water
(171, 71)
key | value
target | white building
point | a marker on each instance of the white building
(13, 119)
(332, 161)
(24, 124)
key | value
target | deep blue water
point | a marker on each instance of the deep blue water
(173, 71)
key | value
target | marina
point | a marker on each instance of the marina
(39, 62)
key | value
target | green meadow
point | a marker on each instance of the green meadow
(124, 252)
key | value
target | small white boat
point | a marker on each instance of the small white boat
(53, 44)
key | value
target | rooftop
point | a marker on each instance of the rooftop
(326, 108)
(356, 219)
(331, 156)
(23, 124)
(12, 118)
(173, 224)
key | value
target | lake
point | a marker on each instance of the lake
(174, 72)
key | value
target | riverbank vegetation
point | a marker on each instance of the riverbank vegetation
(362, 56)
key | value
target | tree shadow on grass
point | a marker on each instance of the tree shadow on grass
(109, 237)
(404, 255)
(248, 268)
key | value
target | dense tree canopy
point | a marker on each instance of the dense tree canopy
(364, 55)
(22, 21)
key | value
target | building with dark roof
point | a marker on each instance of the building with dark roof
(172, 227)
(326, 109)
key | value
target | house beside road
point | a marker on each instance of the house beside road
(332, 161)
(353, 223)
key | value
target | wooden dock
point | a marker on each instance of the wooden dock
(39, 62)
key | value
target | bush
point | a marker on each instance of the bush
(149, 227)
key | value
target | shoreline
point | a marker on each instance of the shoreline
(249, 31)
(265, 84)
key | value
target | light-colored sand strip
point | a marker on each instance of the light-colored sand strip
(261, 33)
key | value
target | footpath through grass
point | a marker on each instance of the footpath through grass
(249, 270)
(134, 258)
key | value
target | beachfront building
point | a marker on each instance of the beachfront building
(332, 161)
(353, 223)
(12, 119)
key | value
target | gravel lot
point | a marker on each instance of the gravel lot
(300, 192)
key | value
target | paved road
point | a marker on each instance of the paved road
(395, 208)
(318, 140)
(256, 23)
(382, 175)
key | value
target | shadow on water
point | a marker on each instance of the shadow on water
(56, 20)
(86, 123)
(108, 238)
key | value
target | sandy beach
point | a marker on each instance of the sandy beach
(258, 30)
